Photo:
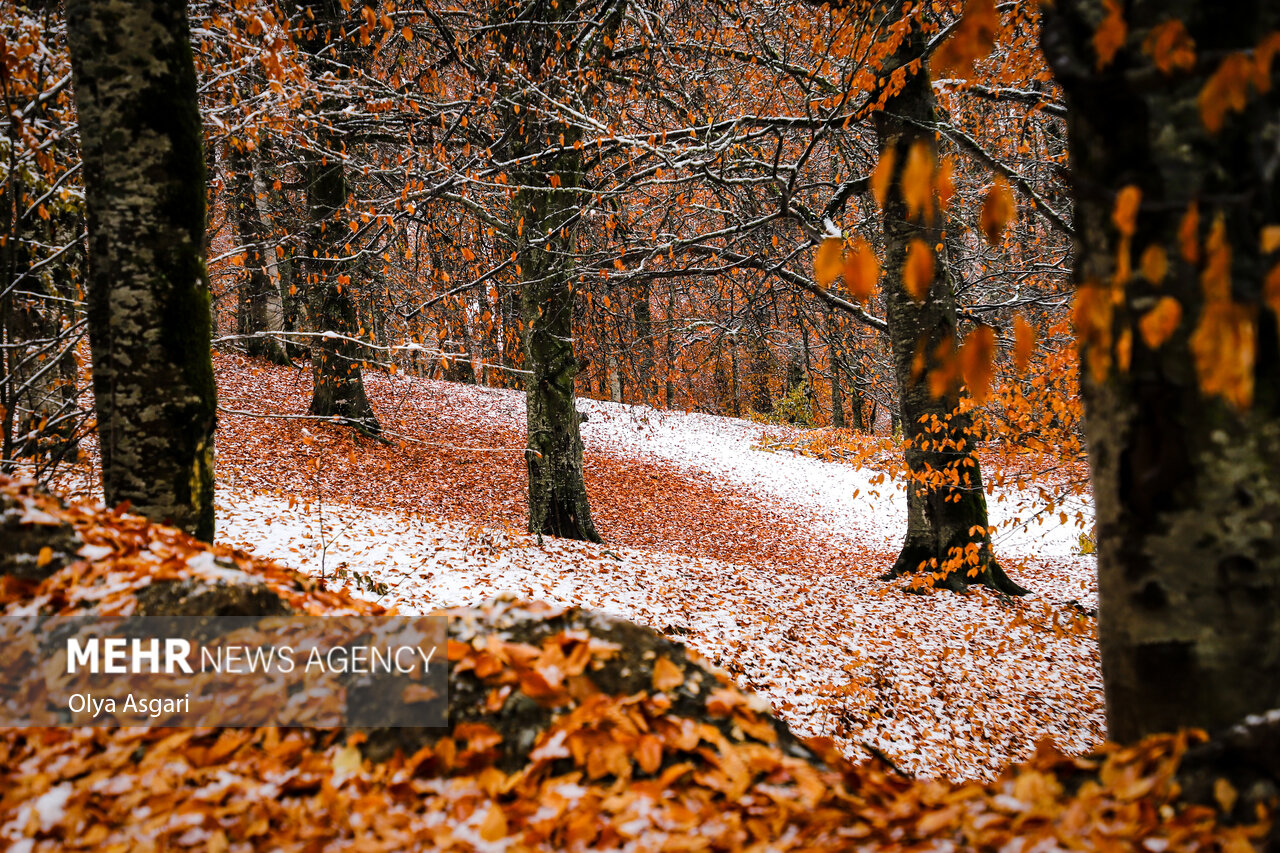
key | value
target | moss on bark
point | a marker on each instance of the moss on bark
(1186, 483)
(149, 321)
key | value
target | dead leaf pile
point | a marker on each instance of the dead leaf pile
(678, 759)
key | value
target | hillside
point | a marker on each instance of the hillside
(766, 563)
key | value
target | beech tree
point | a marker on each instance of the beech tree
(149, 329)
(1173, 115)
(336, 354)
(548, 50)
(948, 532)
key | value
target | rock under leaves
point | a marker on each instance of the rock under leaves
(568, 730)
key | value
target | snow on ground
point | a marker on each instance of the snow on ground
(955, 685)
(841, 497)
(945, 684)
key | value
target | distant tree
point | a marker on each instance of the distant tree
(549, 51)
(149, 326)
(1174, 116)
(336, 355)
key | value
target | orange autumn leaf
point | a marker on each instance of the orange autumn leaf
(1124, 350)
(1160, 322)
(1110, 35)
(649, 753)
(973, 38)
(861, 271)
(1189, 234)
(1155, 263)
(1215, 278)
(1125, 213)
(1271, 292)
(977, 362)
(1024, 342)
(1263, 54)
(945, 183)
(407, 34)
(942, 377)
(997, 210)
(1224, 346)
(494, 826)
(1224, 342)
(1091, 315)
(1227, 90)
(917, 272)
(666, 675)
(1170, 47)
(1269, 240)
(917, 181)
(828, 261)
(881, 175)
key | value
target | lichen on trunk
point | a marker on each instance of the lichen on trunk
(542, 45)
(1185, 458)
(149, 322)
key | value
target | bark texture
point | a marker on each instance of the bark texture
(260, 307)
(148, 294)
(1186, 483)
(947, 526)
(336, 358)
(547, 46)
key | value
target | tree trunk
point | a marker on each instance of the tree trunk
(761, 364)
(336, 359)
(259, 309)
(643, 317)
(148, 293)
(947, 528)
(834, 358)
(557, 491)
(547, 41)
(1185, 466)
(338, 380)
(670, 396)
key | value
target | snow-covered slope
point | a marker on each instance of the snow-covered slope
(945, 684)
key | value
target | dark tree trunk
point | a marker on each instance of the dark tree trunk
(336, 355)
(947, 527)
(837, 369)
(670, 389)
(761, 364)
(289, 282)
(512, 336)
(557, 491)
(149, 325)
(259, 310)
(1186, 481)
(336, 359)
(547, 40)
(643, 317)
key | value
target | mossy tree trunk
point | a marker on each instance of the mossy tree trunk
(948, 533)
(148, 293)
(1186, 480)
(336, 357)
(548, 46)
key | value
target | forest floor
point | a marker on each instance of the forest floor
(767, 563)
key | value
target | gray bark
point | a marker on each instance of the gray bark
(1186, 483)
(149, 323)
(336, 361)
(259, 309)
